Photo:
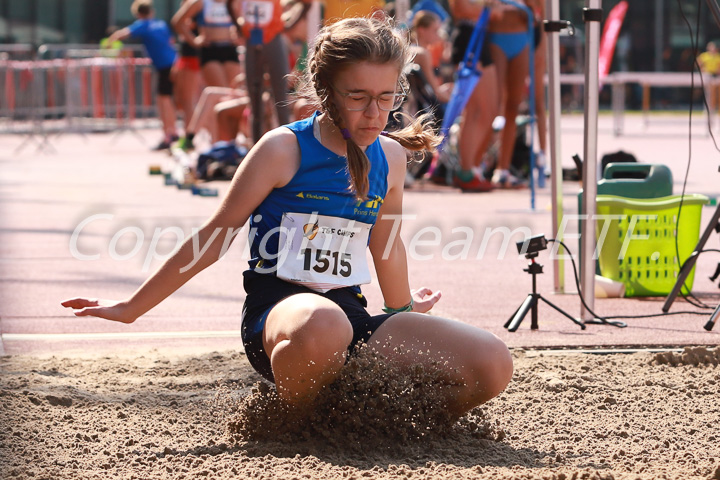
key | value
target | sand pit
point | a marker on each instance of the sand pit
(570, 416)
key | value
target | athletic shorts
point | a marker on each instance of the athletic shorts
(265, 291)
(164, 84)
(191, 63)
(219, 53)
(460, 40)
(187, 50)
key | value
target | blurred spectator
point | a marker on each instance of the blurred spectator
(186, 77)
(155, 35)
(509, 48)
(709, 60)
(426, 31)
(216, 37)
(261, 25)
(475, 124)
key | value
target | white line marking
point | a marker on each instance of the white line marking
(19, 337)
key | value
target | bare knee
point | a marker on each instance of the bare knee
(489, 369)
(325, 330)
(306, 334)
(306, 338)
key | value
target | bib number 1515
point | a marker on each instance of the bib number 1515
(323, 260)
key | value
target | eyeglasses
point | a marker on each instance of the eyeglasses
(357, 102)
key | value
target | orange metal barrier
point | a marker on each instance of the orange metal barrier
(75, 94)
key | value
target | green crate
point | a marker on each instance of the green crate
(646, 261)
(632, 180)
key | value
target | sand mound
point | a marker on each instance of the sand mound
(372, 401)
(690, 356)
(571, 416)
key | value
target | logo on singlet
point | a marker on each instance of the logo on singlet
(369, 207)
(310, 230)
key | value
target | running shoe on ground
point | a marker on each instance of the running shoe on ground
(506, 180)
(166, 143)
(476, 184)
(185, 144)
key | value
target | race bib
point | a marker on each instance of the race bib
(217, 13)
(322, 252)
(257, 13)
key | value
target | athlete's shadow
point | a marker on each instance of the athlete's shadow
(458, 450)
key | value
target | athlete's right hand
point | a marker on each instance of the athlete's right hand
(199, 41)
(107, 309)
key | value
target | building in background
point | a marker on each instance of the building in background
(39, 22)
(654, 37)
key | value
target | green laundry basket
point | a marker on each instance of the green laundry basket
(631, 180)
(638, 248)
(634, 180)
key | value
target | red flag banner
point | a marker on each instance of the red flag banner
(610, 34)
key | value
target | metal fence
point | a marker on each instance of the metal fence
(76, 90)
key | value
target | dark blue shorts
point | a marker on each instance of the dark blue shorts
(164, 82)
(265, 291)
(223, 53)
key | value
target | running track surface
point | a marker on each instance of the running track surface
(98, 185)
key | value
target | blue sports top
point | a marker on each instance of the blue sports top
(319, 186)
(215, 14)
(156, 36)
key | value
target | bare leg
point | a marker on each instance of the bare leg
(230, 71)
(475, 130)
(306, 337)
(477, 363)
(230, 115)
(204, 115)
(515, 85)
(511, 76)
(166, 110)
(214, 75)
(187, 91)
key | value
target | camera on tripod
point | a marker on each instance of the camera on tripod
(531, 246)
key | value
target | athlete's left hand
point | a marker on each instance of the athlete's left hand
(424, 299)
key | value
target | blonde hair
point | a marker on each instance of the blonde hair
(141, 8)
(348, 42)
(424, 19)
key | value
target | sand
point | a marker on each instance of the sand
(564, 416)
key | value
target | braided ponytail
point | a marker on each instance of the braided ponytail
(418, 135)
(358, 165)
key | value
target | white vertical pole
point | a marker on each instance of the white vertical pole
(402, 7)
(553, 58)
(314, 22)
(592, 52)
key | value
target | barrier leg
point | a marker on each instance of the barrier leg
(125, 110)
(37, 109)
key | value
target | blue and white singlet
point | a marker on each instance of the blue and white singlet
(313, 231)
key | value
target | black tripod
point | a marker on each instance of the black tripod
(531, 302)
(690, 263)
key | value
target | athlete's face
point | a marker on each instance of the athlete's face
(431, 33)
(363, 79)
